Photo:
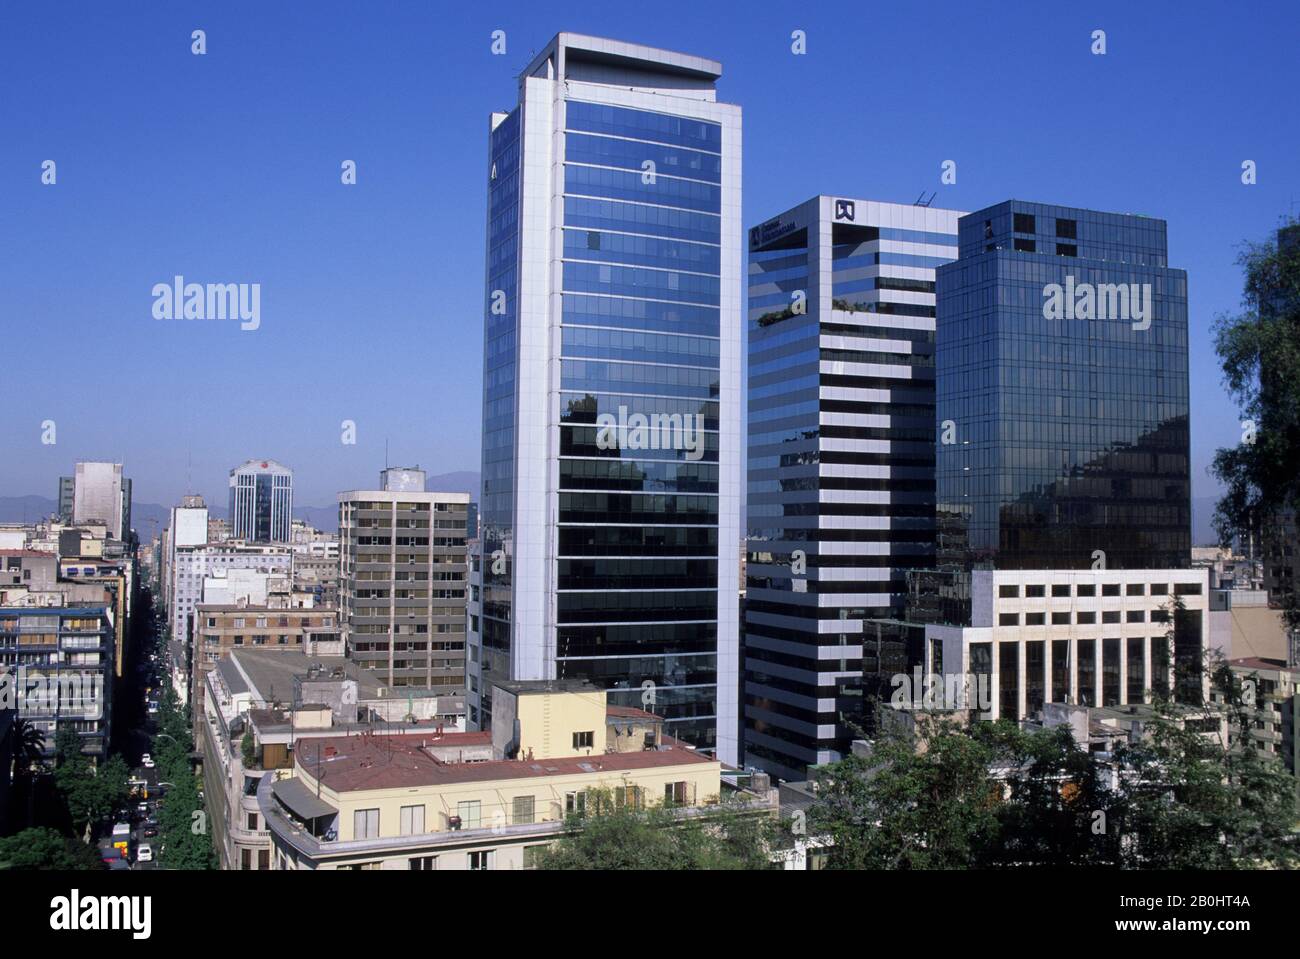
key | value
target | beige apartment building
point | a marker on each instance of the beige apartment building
(402, 582)
(413, 803)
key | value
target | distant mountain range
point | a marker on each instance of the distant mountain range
(29, 509)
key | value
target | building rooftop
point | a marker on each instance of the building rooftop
(350, 763)
(1258, 662)
(581, 47)
(272, 671)
(524, 687)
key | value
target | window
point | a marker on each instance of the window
(422, 863)
(1086, 589)
(1110, 589)
(1069, 229)
(470, 813)
(531, 855)
(1008, 619)
(1159, 589)
(1066, 249)
(575, 803)
(252, 822)
(1086, 618)
(1135, 616)
(481, 861)
(1060, 589)
(1035, 619)
(1061, 619)
(584, 740)
(1187, 589)
(1032, 591)
(1008, 590)
(365, 824)
(1087, 655)
(677, 794)
(1026, 246)
(1135, 589)
(522, 810)
(412, 820)
(1025, 223)
(263, 859)
(1110, 616)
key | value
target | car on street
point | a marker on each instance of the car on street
(144, 853)
(117, 865)
(147, 761)
(149, 832)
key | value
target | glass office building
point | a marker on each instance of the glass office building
(1062, 386)
(609, 520)
(261, 502)
(841, 498)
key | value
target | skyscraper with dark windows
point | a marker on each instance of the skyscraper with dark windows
(841, 464)
(609, 518)
(261, 502)
(1062, 397)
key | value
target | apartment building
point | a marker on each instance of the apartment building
(400, 803)
(59, 660)
(260, 702)
(221, 629)
(402, 583)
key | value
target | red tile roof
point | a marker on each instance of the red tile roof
(387, 762)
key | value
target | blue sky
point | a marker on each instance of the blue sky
(225, 168)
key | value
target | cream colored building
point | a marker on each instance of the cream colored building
(399, 802)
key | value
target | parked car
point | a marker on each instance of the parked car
(144, 853)
(149, 832)
(147, 761)
(117, 865)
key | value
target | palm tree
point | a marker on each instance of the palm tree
(28, 753)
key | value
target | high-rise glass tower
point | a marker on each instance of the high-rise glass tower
(261, 502)
(841, 461)
(609, 520)
(1062, 397)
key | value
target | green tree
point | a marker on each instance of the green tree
(1195, 798)
(89, 793)
(1259, 350)
(621, 836)
(923, 800)
(1058, 807)
(45, 849)
(28, 761)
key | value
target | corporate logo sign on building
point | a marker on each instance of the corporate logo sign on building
(770, 231)
(845, 210)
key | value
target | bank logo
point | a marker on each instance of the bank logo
(844, 210)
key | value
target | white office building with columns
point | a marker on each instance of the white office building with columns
(1087, 637)
(610, 514)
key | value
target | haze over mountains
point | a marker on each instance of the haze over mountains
(144, 516)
